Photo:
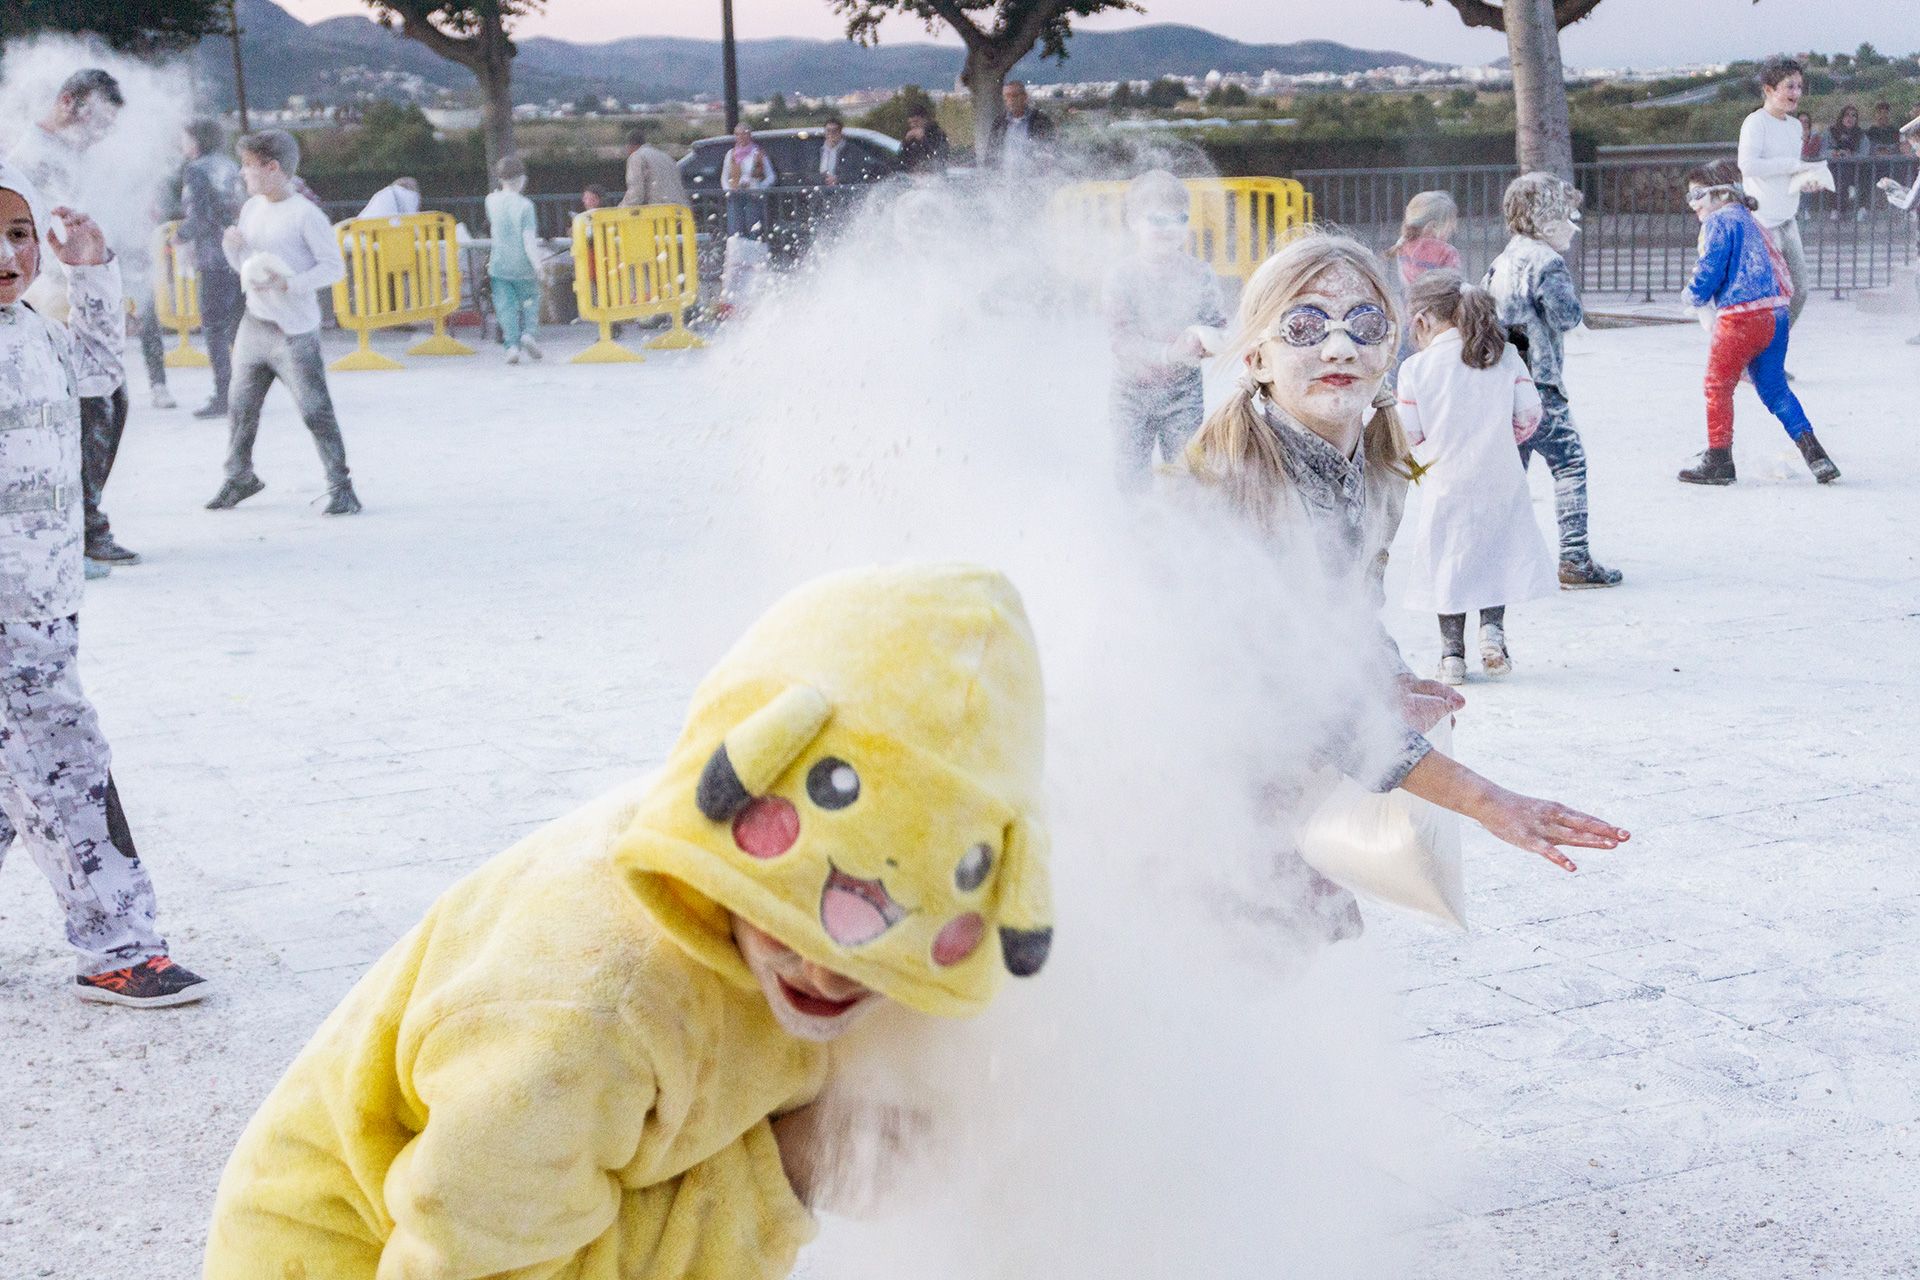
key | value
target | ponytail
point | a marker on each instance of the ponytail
(1446, 296)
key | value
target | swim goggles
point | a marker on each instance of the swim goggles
(1309, 326)
(1697, 196)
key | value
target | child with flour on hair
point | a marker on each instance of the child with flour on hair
(1743, 282)
(1538, 304)
(1164, 314)
(1465, 400)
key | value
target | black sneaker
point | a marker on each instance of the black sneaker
(212, 409)
(105, 550)
(156, 983)
(236, 491)
(1582, 574)
(1715, 466)
(341, 500)
(1817, 460)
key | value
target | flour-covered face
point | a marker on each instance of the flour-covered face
(1162, 230)
(1558, 231)
(1328, 386)
(19, 248)
(809, 1001)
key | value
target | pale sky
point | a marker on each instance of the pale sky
(1644, 33)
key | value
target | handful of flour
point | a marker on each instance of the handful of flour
(260, 271)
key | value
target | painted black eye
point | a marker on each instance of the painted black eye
(832, 783)
(973, 868)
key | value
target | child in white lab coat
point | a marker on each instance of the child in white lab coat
(1466, 401)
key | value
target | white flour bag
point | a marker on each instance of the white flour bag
(1393, 847)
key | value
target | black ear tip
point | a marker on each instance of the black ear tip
(721, 795)
(1025, 950)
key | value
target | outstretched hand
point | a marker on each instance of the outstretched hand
(1541, 826)
(84, 245)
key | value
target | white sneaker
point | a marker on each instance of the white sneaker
(1453, 670)
(532, 348)
(163, 398)
(513, 355)
(1493, 652)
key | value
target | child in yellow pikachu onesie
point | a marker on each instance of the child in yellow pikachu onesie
(574, 1065)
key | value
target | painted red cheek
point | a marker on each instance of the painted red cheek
(767, 828)
(960, 939)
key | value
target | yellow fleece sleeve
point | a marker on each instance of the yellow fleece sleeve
(529, 1110)
(733, 1216)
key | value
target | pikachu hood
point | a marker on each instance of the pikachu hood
(860, 777)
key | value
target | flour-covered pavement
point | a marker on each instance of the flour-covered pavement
(1696, 1057)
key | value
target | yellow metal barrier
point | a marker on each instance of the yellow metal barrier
(1234, 224)
(176, 297)
(632, 263)
(400, 270)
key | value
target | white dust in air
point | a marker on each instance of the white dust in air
(1192, 1087)
(123, 176)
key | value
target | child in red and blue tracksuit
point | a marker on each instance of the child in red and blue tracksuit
(1744, 280)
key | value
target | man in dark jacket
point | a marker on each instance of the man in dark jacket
(1021, 134)
(210, 198)
(924, 149)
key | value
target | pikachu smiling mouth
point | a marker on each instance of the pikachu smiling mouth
(855, 911)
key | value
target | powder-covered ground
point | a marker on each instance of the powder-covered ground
(1697, 1057)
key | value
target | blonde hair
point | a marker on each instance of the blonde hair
(1448, 298)
(1425, 212)
(1236, 451)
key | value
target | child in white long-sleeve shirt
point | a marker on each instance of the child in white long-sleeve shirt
(285, 252)
(56, 789)
(1466, 399)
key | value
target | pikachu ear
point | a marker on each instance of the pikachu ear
(760, 749)
(1026, 899)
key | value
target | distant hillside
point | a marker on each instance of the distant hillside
(340, 57)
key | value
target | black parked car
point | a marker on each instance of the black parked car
(795, 154)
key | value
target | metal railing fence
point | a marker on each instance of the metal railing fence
(1637, 234)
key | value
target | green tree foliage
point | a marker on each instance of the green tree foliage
(890, 117)
(1226, 95)
(477, 34)
(1123, 96)
(996, 33)
(137, 26)
(390, 138)
(1166, 92)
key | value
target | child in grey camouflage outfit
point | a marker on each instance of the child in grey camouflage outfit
(1164, 313)
(1535, 298)
(56, 793)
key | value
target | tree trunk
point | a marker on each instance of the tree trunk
(496, 86)
(1544, 132)
(984, 81)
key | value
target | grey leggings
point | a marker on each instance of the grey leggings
(262, 351)
(1453, 629)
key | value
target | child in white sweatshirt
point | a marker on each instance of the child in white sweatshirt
(285, 252)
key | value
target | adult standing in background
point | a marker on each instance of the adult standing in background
(52, 154)
(211, 194)
(652, 176)
(1021, 134)
(924, 149)
(1847, 143)
(1770, 141)
(744, 173)
(839, 162)
(397, 199)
